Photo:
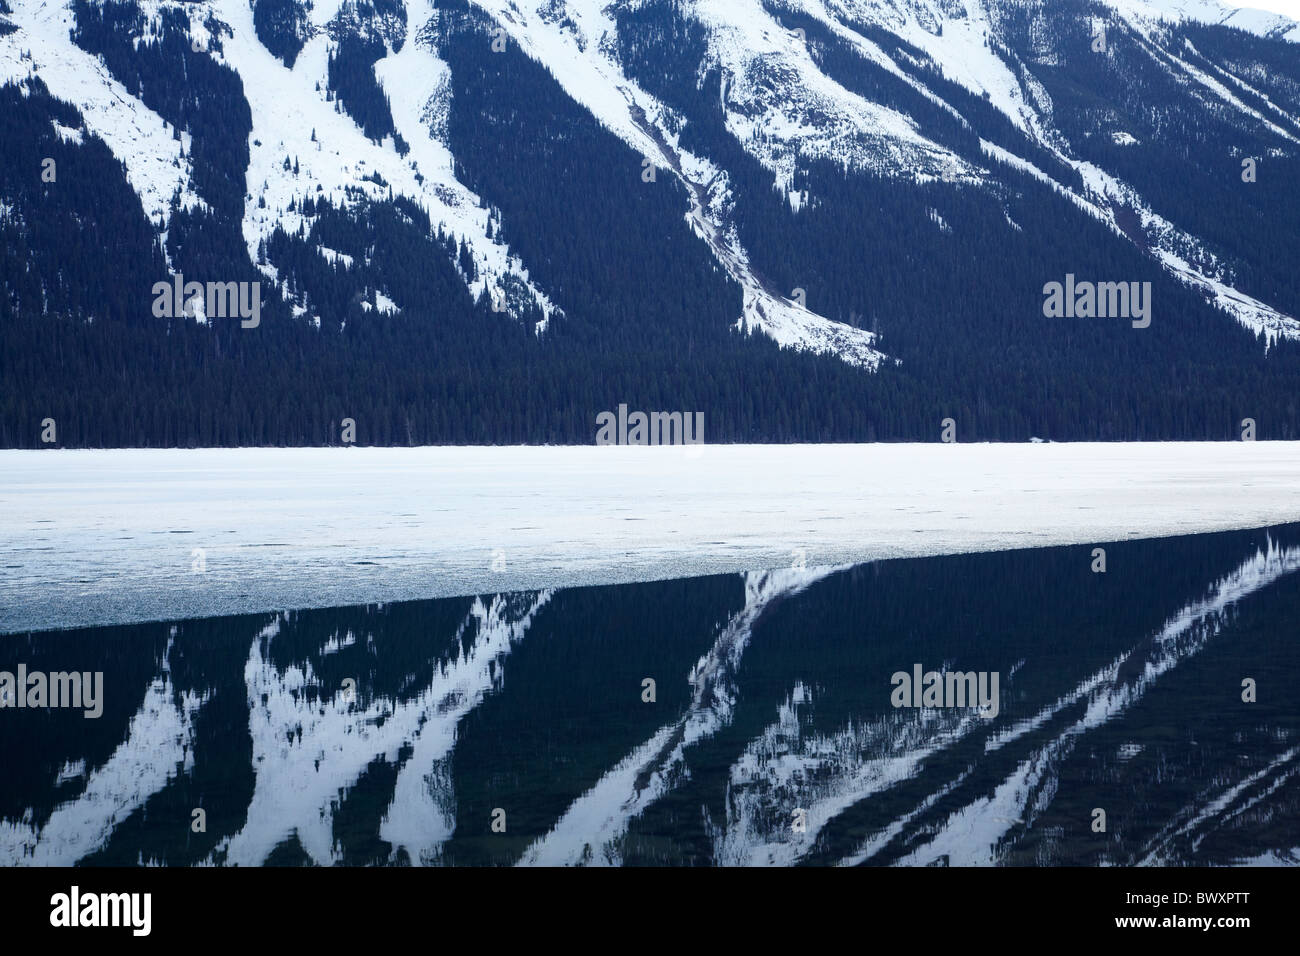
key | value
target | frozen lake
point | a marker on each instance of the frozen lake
(119, 536)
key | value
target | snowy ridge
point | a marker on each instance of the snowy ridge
(1218, 89)
(1182, 254)
(157, 166)
(1172, 246)
(956, 38)
(583, 65)
(784, 109)
(776, 101)
(1145, 13)
(289, 108)
(291, 118)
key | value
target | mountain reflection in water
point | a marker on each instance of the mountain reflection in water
(398, 734)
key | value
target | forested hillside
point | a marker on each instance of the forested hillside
(480, 222)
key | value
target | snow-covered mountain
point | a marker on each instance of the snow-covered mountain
(327, 148)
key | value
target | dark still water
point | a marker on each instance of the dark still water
(1118, 726)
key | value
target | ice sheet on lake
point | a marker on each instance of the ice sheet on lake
(115, 536)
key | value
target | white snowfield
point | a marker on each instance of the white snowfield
(119, 536)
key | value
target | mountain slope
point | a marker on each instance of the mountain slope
(490, 220)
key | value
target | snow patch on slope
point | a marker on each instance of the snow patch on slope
(416, 83)
(1184, 255)
(1179, 252)
(1217, 88)
(292, 118)
(786, 110)
(156, 166)
(957, 37)
(581, 62)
